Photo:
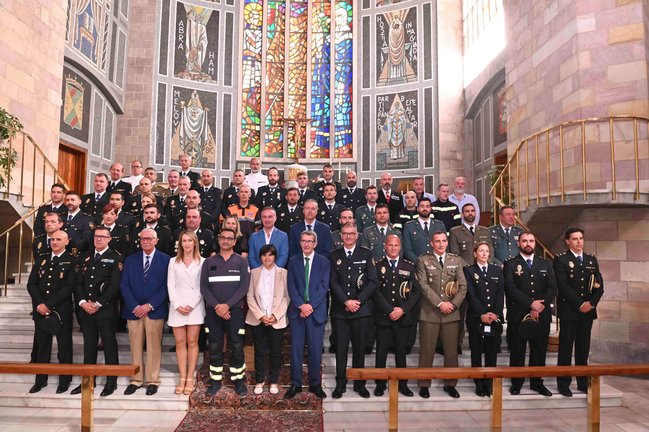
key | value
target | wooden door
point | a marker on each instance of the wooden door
(72, 167)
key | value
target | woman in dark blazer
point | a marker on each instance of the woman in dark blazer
(486, 294)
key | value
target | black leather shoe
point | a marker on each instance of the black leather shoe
(452, 392)
(76, 390)
(240, 388)
(36, 388)
(583, 389)
(379, 390)
(459, 350)
(213, 389)
(62, 388)
(480, 392)
(151, 389)
(423, 392)
(515, 391)
(541, 389)
(130, 389)
(292, 391)
(439, 350)
(565, 391)
(317, 391)
(362, 392)
(332, 349)
(404, 390)
(109, 389)
(488, 391)
(368, 350)
(338, 392)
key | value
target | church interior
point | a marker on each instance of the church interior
(540, 105)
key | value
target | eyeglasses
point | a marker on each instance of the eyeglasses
(349, 234)
(102, 237)
(226, 238)
(307, 241)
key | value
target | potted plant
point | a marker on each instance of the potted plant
(9, 125)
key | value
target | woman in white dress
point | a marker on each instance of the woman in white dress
(267, 304)
(187, 308)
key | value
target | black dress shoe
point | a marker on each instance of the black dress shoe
(480, 392)
(130, 389)
(439, 350)
(151, 389)
(109, 389)
(62, 388)
(368, 350)
(459, 350)
(423, 392)
(332, 349)
(452, 392)
(379, 390)
(541, 389)
(583, 389)
(338, 392)
(317, 391)
(292, 391)
(213, 389)
(565, 391)
(36, 388)
(404, 390)
(362, 392)
(76, 390)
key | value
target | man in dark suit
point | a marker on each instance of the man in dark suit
(231, 194)
(210, 194)
(206, 238)
(310, 224)
(164, 237)
(144, 290)
(41, 243)
(134, 205)
(308, 286)
(329, 211)
(327, 178)
(186, 171)
(581, 287)
(77, 225)
(57, 196)
(390, 197)
(303, 189)
(93, 203)
(272, 194)
(290, 212)
(176, 206)
(116, 184)
(530, 287)
(353, 283)
(124, 218)
(50, 286)
(395, 299)
(351, 196)
(97, 293)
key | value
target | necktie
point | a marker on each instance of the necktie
(441, 262)
(529, 263)
(349, 254)
(387, 198)
(49, 242)
(308, 227)
(272, 190)
(331, 207)
(207, 189)
(55, 260)
(581, 259)
(507, 232)
(301, 193)
(55, 209)
(69, 217)
(471, 229)
(182, 200)
(112, 184)
(290, 211)
(393, 264)
(97, 256)
(426, 229)
(98, 197)
(383, 232)
(183, 174)
(306, 278)
(484, 270)
(147, 265)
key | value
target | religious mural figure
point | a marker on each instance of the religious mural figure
(194, 127)
(397, 131)
(197, 33)
(86, 28)
(397, 47)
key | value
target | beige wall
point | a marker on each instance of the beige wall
(31, 67)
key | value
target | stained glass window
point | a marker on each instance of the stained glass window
(296, 61)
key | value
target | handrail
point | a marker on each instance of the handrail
(86, 371)
(593, 372)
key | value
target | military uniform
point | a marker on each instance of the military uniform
(207, 221)
(397, 287)
(92, 207)
(337, 240)
(124, 218)
(416, 241)
(286, 219)
(175, 208)
(394, 202)
(41, 245)
(39, 221)
(364, 217)
(231, 196)
(134, 205)
(352, 278)
(577, 282)
(318, 188)
(51, 282)
(98, 281)
(194, 178)
(306, 194)
(268, 196)
(522, 286)
(120, 239)
(79, 230)
(165, 238)
(206, 241)
(351, 199)
(211, 201)
(120, 186)
(374, 240)
(433, 279)
(403, 217)
(330, 216)
(505, 244)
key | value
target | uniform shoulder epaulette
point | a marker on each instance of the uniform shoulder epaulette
(411, 222)
(455, 228)
(451, 254)
(366, 248)
(40, 235)
(408, 261)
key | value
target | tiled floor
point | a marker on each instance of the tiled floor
(633, 416)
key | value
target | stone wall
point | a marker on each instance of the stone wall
(32, 43)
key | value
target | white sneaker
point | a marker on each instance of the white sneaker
(259, 388)
(274, 389)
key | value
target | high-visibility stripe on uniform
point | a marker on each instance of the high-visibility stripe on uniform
(224, 278)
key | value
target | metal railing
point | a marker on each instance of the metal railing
(28, 174)
(576, 158)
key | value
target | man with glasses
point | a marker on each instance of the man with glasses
(97, 294)
(136, 174)
(225, 278)
(144, 290)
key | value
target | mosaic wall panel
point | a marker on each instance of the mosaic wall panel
(194, 124)
(197, 43)
(396, 47)
(397, 129)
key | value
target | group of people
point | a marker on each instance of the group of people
(383, 267)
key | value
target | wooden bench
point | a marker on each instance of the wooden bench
(593, 372)
(87, 372)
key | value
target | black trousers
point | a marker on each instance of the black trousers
(574, 334)
(94, 328)
(236, 331)
(460, 333)
(64, 351)
(268, 345)
(412, 335)
(395, 336)
(356, 331)
(518, 346)
(479, 344)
